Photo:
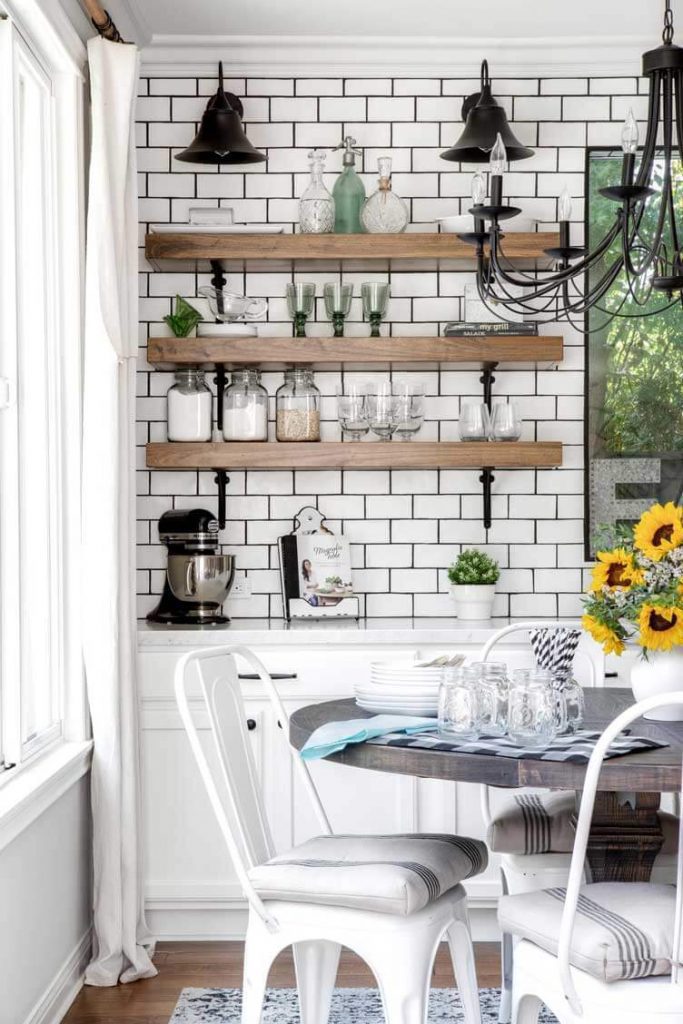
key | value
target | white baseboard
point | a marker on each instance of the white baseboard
(64, 987)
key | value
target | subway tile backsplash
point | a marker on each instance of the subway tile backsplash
(405, 527)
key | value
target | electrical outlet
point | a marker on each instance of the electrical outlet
(241, 588)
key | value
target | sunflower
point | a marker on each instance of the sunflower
(602, 634)
(616, 570)
(661, 628)
(659, 531)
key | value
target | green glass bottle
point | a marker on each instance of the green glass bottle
(348, 193)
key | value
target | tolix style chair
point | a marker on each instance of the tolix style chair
(391, 899)
(599, 953)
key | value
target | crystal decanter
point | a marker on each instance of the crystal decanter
(316, 206)
(384, 212)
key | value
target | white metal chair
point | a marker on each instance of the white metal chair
(398, 937)
(603, 953)
(524, 867)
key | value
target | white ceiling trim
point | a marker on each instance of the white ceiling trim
(339, 56)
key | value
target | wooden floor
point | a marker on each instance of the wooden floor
(219, 965)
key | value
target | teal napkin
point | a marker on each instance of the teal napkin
(334, 736)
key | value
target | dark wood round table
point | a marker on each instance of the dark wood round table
(626, 835)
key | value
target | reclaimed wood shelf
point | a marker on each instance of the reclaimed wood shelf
(248, 350)
(349, 455)
(412, 245)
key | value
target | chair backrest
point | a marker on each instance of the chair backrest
(589, 655)
(583, 826)
(207, 681)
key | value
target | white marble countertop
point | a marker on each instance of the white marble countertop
(343, 632)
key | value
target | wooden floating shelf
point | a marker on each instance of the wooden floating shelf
(360, 455)
(249, 350)
(519, 246)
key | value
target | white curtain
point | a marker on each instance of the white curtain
(122, 945)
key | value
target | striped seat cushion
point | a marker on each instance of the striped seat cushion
(623, 930)
(546, 823)
(390, 874)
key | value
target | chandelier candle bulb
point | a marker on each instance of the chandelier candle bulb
(564, 216)
(478, 192)
(497, 169)
(629, 145)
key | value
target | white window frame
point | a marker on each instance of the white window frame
(40, 34)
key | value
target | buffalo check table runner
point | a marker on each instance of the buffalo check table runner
(575, 748)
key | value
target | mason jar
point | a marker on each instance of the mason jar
(245, 407)
(189, 407)
(459, 704)
(493, 693)
(297, 407)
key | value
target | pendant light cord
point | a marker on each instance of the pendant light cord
(668, 33)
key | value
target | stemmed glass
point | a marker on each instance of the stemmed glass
(351, 411)
(506, 423)
(300, 298)
(475, 422)
(375, 297)
(409, 409)
(382, 411)
(337, 305)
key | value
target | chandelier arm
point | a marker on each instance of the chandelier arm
(650, 145)
(679, 112)
(557, 278)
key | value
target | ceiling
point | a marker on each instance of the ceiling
(148, 20)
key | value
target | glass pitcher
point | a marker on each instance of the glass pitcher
(230, 307)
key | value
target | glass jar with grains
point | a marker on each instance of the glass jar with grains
(297, 407)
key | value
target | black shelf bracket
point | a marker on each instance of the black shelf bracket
(488, 380)
(219, 281)
(486, 479)
(222, 480)
(219, 381)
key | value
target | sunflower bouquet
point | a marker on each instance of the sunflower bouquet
(637, 588)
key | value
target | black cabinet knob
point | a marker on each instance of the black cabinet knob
(251, 724)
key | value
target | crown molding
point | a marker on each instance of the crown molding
(397, 56)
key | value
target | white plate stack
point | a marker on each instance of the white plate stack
(400, 688)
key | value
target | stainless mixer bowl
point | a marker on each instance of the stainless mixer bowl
(198, 579)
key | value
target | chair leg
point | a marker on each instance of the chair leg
(403, 972)
(462, 956)
(257, 960)
(316, 972)
(526, 1010)
(506, 957)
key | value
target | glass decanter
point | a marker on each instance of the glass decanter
(316, 206)
(384, 212)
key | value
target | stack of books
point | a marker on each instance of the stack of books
(500, 328)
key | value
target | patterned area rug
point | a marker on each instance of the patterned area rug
(349, 1006)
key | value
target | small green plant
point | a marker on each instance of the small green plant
(184, 319)
(474, 568)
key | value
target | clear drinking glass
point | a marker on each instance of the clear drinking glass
(409, 409)
(382, 411)
(531, 712)
(337, 304)
(475, 422)
(459, 704)
(375, 295)
(494, 694)
(574, 702)
(300, 298)
(351, 412)
(506, 423)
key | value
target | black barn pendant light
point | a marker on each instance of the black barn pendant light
(221, 138)
(643, 247)
(485, 120)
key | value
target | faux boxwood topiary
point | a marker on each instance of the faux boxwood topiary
(474, 568)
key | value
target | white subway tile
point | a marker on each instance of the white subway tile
(299, 109)
(415, 531)
(380, 606)
(413, 581)
(347, 108)
(391, 506)
(390, 555)
(396, 108)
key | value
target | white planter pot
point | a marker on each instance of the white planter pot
(661, 673)
(473, 602)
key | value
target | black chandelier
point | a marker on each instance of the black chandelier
(648, 249)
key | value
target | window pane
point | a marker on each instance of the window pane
(36, 337)
(635, 380)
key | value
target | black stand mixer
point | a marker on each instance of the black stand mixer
(198, 579)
